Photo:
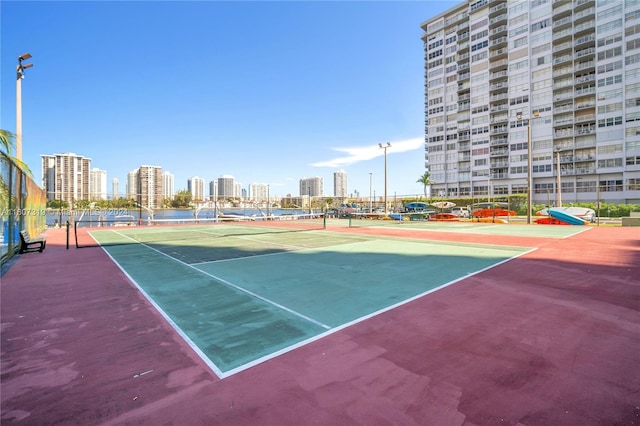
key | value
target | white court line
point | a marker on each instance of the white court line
(230, 284)
(363, 318)
(290, 348)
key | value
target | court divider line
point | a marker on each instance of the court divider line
(230, 284)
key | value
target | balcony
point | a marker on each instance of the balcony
(500, 140)
(497, 8)
(585, 52)
(563, 108)
(500, 119)
(498, 53)
(557, 36)
(499, 85)
(499, 75)
(586, 26)
(499, 153)
(580, 66)
(498, 42)
(501, 30)
(562, 59)
(584, 14)
(563, 46)
(498, 19)
(499, 97)
(499, 130)
(562, 23)
(562, 8)
(500, 64)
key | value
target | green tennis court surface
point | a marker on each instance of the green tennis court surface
(468, 227)
(242, 295)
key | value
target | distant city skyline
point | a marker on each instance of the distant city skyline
(260, 90)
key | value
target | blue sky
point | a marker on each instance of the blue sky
(269, 92)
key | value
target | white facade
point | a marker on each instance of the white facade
(570, 69)
(132, 185)
(114, 189)
(168, 186)
(258, 192)
(97, 184)
(312, 187)
(195, 185)
(226, 187)
(340, 184)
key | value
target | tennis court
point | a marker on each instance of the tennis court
(240, 294)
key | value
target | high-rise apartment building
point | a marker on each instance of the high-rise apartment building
(526, 89)
(144, 186)
(258, 192)
(114, 189)
(312, 187)
(195, 186)
(66, 176)
(168, 186)
(340, 184)
(226, 187)
(97, 184)
(132, 185)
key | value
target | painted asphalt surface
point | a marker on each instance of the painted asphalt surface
(551, 337)
(236, 311)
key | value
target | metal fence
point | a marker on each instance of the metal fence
(22, 207)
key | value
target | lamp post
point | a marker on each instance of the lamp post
(519, 116)
(370, 199)
(268, 201)
(558, 182)
(19, 76)
(388, 145)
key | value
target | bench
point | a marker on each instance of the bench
(28, 244)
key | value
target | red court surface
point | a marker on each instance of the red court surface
(549, 338)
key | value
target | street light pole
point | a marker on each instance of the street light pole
(370, 199)
(519, 116)
(19, 76)
(558, 182)
(388, 145)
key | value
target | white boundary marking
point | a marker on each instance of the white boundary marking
(223, 375)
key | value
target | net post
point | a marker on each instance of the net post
(324, 221)
(67, 235)
(349, 221)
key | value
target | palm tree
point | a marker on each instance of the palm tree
(425, 180)
(6, 143)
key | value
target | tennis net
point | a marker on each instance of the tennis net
(117, 232)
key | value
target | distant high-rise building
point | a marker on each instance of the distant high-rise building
(132, 185)
(97, 184)
(168, 190)
(312, 187)
(66, 176)
(144, 186)
(114, 189)
(541, 91)
(195, 186)
(226, 187)
(340, 184)
(258, 192)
